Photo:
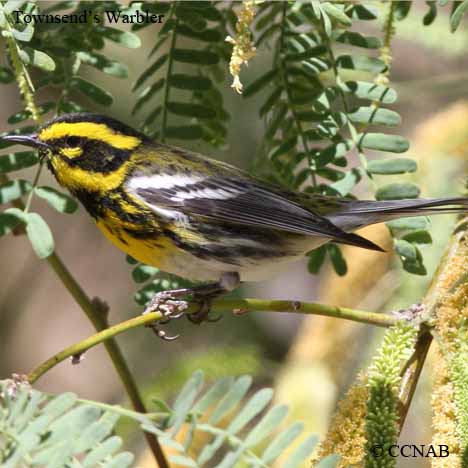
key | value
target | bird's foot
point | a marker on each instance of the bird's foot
(170, 306)
(411, 313)
(173, 304)
(203, 313)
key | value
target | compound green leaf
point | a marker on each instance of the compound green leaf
(93, 92)
(284, 147)
(184, 401)
(6, 75)
(60, 201)
(106, 65)
(252, 408)
(24, 114)
(336, 13)
(260, 83)
(213, 395)
(197, 57)
(142, 273)
(233, 397)
(191, 110)
(271, 101)
(457, 15)
(407, 224)
(337, 259)
(25, 35)
(13, 190)
(361, 62)
(124, 38)
(145, 96)
(190, 82)
(281, 442)
(306, 54)
(152, 116)
(151, 70)
(131, 260)
(333, 152)
(11, 5)
(16, 161)
(365, 12)
(207, 35)
(346, 183)
(359, 40)
(101, 452)
(301, 453)
(192, 17)
(411, 257)
(430, 16)
(316, 259)
(418, 237)
(181, 460)
(406, 250)
(192, 132)
(330, 461)
(122, 460)
(370, 91)
(8, 222)
(402, 9)
(267, 425)
(40, 60)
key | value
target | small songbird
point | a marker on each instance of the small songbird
(196, 217)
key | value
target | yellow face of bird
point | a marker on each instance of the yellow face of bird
(85, 151)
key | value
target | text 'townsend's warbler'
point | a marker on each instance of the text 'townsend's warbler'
(195, 217)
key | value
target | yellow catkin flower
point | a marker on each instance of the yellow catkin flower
(450, 374)
(346, 436)
(444, 411)
(244, 48)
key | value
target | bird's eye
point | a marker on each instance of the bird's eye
(72, 141)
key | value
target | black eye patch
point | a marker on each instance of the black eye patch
(73, 141)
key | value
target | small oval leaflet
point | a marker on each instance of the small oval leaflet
(60, 201)
(397, 191)
(392, 166)
(40, 235)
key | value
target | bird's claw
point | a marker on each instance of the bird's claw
(170, 308)
(202, 314)
(162, 334)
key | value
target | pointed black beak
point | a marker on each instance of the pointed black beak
(27, 140)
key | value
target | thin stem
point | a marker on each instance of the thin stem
(168, 75)
(98, 317)
(412, 373)
(238, 306)
(34, 185)
(284, 77)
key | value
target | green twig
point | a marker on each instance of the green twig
(98, 317)
(238, 306)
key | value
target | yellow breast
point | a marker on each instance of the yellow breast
(150, 251)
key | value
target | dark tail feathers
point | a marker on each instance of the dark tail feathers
(356, 214)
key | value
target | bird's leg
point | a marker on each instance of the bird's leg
(171, 306)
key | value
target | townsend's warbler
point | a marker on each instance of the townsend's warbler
(195, 217)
